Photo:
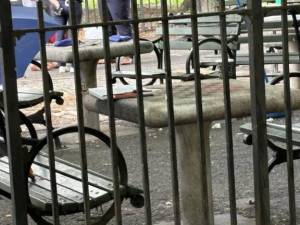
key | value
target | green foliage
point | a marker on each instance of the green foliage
(94, 3)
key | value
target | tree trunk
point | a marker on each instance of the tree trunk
(203, 5)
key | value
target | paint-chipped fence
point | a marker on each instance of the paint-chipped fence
(181, 107)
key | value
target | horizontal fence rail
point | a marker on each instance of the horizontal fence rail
(35, 172)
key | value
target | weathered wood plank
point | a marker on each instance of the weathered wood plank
(186, 44)
(70, 195)
(204, 21)
(274, 58)
(41, 185)
(64, 180)
(156, 73)
(74, 171)
(203, 30)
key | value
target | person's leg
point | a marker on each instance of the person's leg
(78, 11)
(119, 10)
(60, 35)
(112, 30)
(61, 20)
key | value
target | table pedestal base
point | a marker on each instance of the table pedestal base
(295, 82)
(88, 80)
(190, 180)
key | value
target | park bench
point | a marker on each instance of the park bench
(180, 32)
(208, 28)
(28, 99)
(180, 39)
(275, 133)
(25, 17)
(68, 177)
(271, 42)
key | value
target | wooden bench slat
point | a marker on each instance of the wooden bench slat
(42, 185)
(205, 31)
(30, 98)
(232, 18)
(156, 73)
(4, 179)
(210, 60)
(37, 199)
(70, 196)
(5, 185)
(267, 38)
(186, 45)
(62, 167)
(74, 185)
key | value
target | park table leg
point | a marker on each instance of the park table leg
(190, 180)
(89, 80)
(295, 81)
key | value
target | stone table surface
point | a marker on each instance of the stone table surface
(194, 174)
(89, 54)
(94, 49)
(155, 107)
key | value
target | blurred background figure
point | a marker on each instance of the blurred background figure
(60, 10)
(120, 10)
(50, 65)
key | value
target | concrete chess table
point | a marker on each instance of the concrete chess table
(155, 109)
(89, 54)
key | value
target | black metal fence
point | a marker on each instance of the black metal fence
(203, 197)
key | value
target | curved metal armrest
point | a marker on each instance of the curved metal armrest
(277, 79)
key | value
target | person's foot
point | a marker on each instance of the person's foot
(50, 66)
(34, 67)
(102, 61)
(62, 69)
(126, 60)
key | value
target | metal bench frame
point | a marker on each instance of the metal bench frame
(274, 133)
(40, 206)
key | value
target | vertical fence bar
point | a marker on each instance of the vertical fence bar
(112, 127)
(170, 103)
(206, 213)
(78, 93)
(16, 155)
(258, 113)
(47, 108)
(95, 14)
(288, 113)
(228, 122)
(87, 11)
(141, 119)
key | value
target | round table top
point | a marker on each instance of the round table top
(155, 107)
(94, 50)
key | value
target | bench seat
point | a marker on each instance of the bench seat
(202, 30)
(31, 98)
(69, 186)
(156, 74)
(243, 59)
(276, 132)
